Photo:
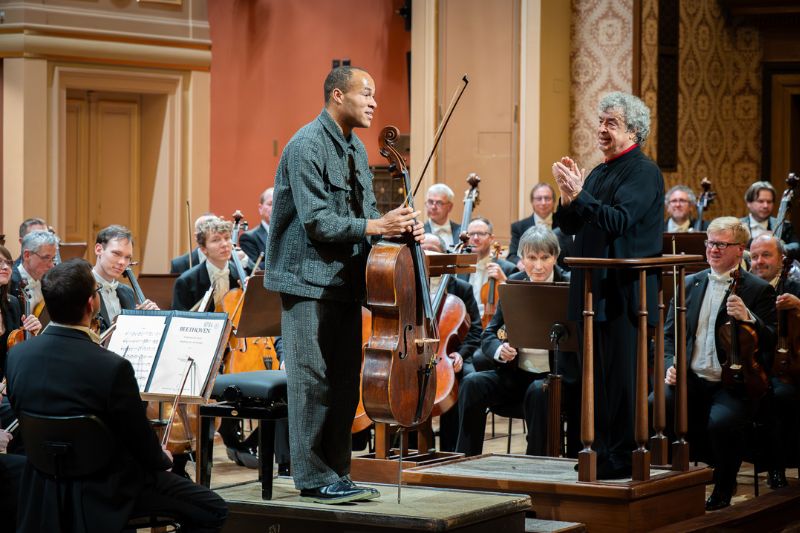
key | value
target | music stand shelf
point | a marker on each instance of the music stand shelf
(440, 264)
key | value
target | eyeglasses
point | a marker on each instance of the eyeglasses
(435, 203)
(478, 234)
(4, 263)
(678, 201)
(720, 245)
(542, 198)
(45, 258)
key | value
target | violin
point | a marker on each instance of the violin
(244, 354)
(741, 369)
(786, 200)
(399, 382)
(489, 291)
(703, 201)
(786, 366)
(21, 334)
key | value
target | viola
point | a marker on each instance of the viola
(703, 201)
(244, 354)
(786, 365)
(20, 334)
(489, 291)
(741, 369)
(399, 382)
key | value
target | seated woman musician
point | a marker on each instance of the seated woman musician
(518, 375)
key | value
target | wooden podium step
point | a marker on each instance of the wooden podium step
(556, 493)
(421, 509)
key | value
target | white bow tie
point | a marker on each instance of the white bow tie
(109, 286)
(220, 274)
(720, 278)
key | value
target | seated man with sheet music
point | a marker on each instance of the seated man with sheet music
(461, 354)
(114, 250)
(719, 407)
(39, 249)
(518, 375)
(768, 262)
(83, 378)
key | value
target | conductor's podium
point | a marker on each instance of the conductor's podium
(259, 395)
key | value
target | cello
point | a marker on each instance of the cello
(741, 369)
(244, 354)
(703, 201)
(399, 382)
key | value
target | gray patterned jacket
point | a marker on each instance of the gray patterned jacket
(323, 197)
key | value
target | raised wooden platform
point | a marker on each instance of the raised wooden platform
(620, 505)
(421, 509)
(372, 469)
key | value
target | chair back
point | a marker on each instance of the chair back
(66, 446)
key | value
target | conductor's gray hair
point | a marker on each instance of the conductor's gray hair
(635, 112)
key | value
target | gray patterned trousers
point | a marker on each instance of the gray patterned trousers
(322, 350)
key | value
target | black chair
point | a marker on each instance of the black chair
(510, 411)
(259, 395)
(65, 448)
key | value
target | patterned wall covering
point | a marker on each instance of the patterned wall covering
(602, 42)
(719, 100)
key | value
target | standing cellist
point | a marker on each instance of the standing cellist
(114, 251)
(325, 211)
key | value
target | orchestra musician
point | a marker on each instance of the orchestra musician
(717, 414)
(517, 376)
(114, 251)
(85, 378)
(39, 250)
(616, 212)
(28, 225)
(184, 262)
(325, 210)
(542, 199)
(679, 203)
(11, 468)
(760, 199)
(462, 354)
(254, 241)
(481, 237)
(766, 262)
(438, 204)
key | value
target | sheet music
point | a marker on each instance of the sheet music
(136, 338)
(195, 337)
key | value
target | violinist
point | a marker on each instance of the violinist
(717, 414)
(516, 376)
(28, 225)
(325, 212)
(85, 378)
(114, 250)
(766, 256)
(462, 355)
(679, 203)
(38, 256)
(438, 204)
(11, 309)
(481, 237)
(254, 242)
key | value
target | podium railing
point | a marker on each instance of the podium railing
(641, 459)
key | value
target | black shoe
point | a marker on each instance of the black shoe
(776, 479)
(337, 492)
(243, 456)
(371, 493)
(284, 469)
(719, 499)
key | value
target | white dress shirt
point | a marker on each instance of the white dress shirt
(108, 293)
(704, 357)
(219, 280)
(445, 232)
(33, 289)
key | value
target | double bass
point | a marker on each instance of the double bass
(741, 369)
(399, 382)
(703, 201)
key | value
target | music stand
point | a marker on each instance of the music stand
(689, 243)
(530, 322)
(261, 311)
